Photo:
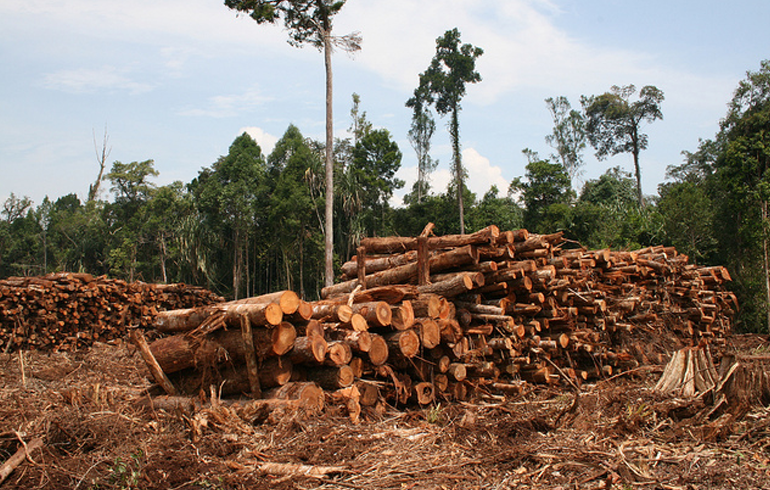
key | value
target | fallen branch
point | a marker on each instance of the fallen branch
(19, 456)
(295, 469)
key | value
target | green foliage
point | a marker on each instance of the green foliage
(124, 474)
(496, 210)
(568, 137)
(688, 212)
(608, 215)
(613, 123)
(443, 86)
(420, 135)
(293, 231)
(127, 217)
(441, 210)
(546, 194)
(130, 181)
(435, 415)
(230, 198)
(20, 245)
(360, 126)
(743, 188)
(305, 20)
(14, 208)
(310, 22)
(376, 159)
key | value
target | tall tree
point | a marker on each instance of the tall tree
(568, 137)
(359, 126)
(310, 22)
(131, 183)
(15, 207)
(613, 123)
(443, 83)
(101, 159)
(420, 135)
(376, 159)
(546, 193)
(743, 171)
(230, 196)
(291, 212)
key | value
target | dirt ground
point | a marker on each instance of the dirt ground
(616, 434)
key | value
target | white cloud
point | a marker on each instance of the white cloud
(228, 105)
(265, 140)
(482, 175)
(523, 47)
(209, 25)
(85, 80)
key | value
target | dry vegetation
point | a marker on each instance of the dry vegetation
(86, 407)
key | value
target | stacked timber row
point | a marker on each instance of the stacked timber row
(423, 318)
(66, 311)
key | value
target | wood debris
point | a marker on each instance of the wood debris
(67, 311)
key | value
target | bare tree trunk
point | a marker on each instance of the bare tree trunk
(302, 266)
(163, 258)
(329, 215)
(638, 172)
(458, 164)
(765, 265)
(93, 191)
(237, 264)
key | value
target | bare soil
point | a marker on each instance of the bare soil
(86, 407)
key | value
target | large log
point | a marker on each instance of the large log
(308, 350)
(181, 320)
(461, 283)
(377, 314)
(430, 334)
(396, 244)
(331, 377)
(404, 344)
(261, 314)
(288, 301)
(339, 353)
(182, 351)
(378, 350)
(408, 272)
(402, 316)
(375, 264)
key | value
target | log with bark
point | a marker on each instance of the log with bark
(478, 313)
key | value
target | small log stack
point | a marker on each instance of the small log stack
(420, 319)
(67, 311)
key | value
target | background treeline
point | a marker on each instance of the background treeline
(251, 223)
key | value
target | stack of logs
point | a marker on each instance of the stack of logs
(66, 311)
(424, 318)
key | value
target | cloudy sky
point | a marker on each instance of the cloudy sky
(177, 81)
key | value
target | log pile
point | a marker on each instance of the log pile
(67, 311)
(419, 319)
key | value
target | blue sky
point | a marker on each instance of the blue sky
(177, 81)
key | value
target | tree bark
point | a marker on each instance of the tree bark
(329, 166)
(454, 129)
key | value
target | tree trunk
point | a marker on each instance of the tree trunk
(458, 164)
(329, 208)
(766, 266)
(638, 172)
(162, 250)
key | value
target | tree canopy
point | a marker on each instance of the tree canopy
(443, 85)
(310, 22)
(614, 123)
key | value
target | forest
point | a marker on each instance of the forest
(251, 223)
